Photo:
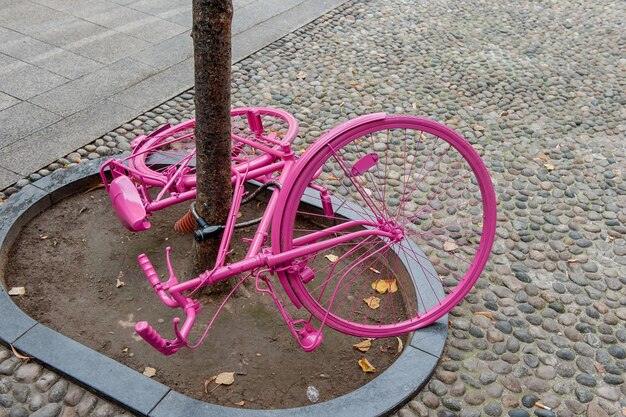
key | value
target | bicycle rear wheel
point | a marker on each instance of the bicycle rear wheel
(408, 175)
(173, 149)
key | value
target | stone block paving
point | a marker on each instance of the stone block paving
(27, 389)
(539, 88)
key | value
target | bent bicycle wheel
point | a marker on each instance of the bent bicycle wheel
(423, 216)
(172, 151)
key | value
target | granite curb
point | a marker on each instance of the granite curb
(393, 388)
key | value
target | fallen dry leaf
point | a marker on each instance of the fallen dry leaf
(301, 75)
(207, 382)
(365, 365)
(600, 368)
(450, 246)
(19, 355)
(609, 239)
(374, 270)
(17, 291)
(241, 403)
(573, 261)
(125, 350)
(43, 237)
(400, 345)
(478, 127)
(332, 258)
(393, 285)
(372, 302)
(549, 167)
(225, 378)
(380, 286)
(95, 187)
(149, 372)
(363, 345)
(118, 281)
(624, 411)
(484, 313)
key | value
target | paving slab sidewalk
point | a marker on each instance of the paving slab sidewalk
(72, 70)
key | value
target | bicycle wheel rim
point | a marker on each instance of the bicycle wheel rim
(312, 161)
(170, 148)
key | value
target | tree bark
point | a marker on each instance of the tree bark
(212, 20)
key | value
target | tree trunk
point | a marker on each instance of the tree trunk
(211, 34)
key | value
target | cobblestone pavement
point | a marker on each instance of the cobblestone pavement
(539, 89)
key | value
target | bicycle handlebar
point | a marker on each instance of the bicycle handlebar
(153, 337)
(153, 277)
(148, 269)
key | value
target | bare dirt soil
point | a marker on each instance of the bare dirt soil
(69, 260)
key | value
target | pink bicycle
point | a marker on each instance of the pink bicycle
(379, 228)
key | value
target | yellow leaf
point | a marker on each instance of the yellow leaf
(372, 302)
(366, 366)
(225, 378)
(380, 285)
(241, 403)
(363, 345)
(207, 382)
(19, 355)
(354, 84)
(393, 285)
(332, 258)
(149, 372)
(17, 291)
(484, 313)
(450, 246)
(95, 187)
(400, 345)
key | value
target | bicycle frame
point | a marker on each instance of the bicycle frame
(278, 159)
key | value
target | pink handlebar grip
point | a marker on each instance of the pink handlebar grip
(151, 336)
(148, 269)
